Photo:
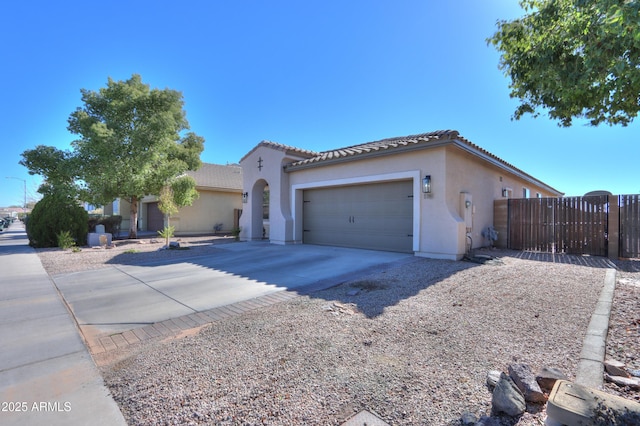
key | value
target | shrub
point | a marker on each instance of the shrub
(167, 234)
(53, 214)
(112, 224)
(65, 240)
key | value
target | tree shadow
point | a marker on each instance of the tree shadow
(372, 291)
(361, 286)
(371, 288)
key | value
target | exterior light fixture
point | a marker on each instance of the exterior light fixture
(426, 184)
(467, 203)
(245, 197)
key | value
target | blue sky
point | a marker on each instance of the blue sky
(312, 74)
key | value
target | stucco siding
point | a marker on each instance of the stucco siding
(211, 208)
(484, 183)
(436, 228)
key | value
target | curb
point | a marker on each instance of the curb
(590, 371)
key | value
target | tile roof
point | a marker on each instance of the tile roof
(381, 147)
(218, 176)
(404, 144)
(285, 148)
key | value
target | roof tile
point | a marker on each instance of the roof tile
(218, 176)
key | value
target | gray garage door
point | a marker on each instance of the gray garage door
(375, 216)
(155, 218)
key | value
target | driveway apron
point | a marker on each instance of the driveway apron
(125, 297)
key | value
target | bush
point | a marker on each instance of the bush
(111, 224)
(53, 215)
(65, 240)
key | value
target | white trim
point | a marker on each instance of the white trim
(414, 175)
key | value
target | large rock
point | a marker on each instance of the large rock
(615, 368)
(548, 376)
(507, 398)
(523, 377)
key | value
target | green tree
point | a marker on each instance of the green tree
(56, 166)
(180, 192)
(576, 58)
(132, 140)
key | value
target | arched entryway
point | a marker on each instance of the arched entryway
(260, 206)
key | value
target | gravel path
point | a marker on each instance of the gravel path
(413, 345)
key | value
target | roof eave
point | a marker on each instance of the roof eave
(367, 155)
(435, 143)
(217, 189)
(501, 164)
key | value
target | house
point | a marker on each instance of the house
(216, 209)
(430, 194)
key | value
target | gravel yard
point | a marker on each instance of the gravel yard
(413, 345)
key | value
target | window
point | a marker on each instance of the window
(526, 193)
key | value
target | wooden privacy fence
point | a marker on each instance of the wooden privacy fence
(629, 206)
(595, 225)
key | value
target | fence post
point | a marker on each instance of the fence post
(501, 222)
(613, 227)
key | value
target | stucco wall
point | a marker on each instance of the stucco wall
(211, 208)
(436, 226)
(485, 183)
(263, 166)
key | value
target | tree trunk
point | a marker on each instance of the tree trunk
(167, 231)
(133, 218)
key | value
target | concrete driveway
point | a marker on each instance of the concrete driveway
(125, 297)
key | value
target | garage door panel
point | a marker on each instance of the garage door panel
(373, 216)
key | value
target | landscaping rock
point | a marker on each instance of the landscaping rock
(507, 398)
(615, 368)
(468, 418)
(632, 382)
(523, 377)
(493, 377)
(548, 376)
(488, 421)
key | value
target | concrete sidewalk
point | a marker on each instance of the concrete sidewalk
(46, 373)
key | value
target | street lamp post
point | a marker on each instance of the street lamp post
(24, 181)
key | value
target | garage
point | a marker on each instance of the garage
(155, 218)
(376, 216)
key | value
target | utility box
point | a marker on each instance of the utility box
(573, 404)
(95, 239)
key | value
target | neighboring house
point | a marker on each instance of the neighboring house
(220, 189)
(375, 196)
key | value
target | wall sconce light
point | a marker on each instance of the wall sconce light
(245, 197)
(467, 203)
(426, 184)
